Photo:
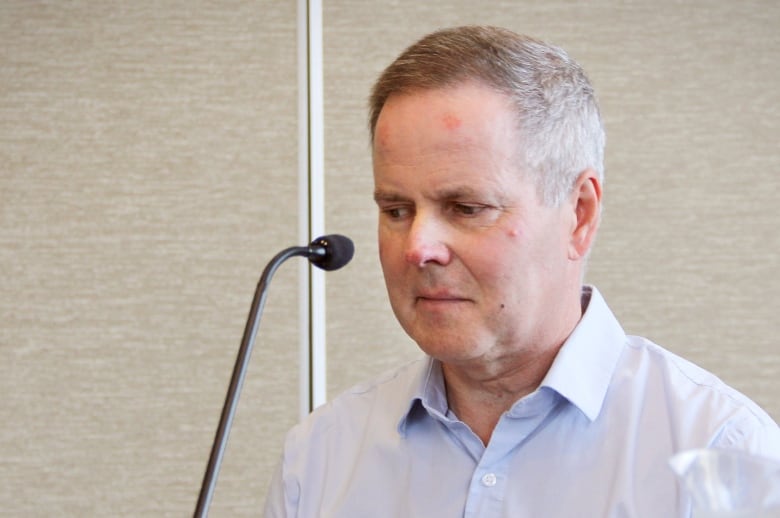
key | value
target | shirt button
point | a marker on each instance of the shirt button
(489, 480)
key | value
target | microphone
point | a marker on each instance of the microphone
(329, 253)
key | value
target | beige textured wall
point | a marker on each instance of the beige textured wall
(148, 171)
(147, 174)
(687, 254)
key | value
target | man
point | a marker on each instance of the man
(532, 401)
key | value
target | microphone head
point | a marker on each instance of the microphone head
(338, 251)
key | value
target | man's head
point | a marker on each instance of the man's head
(560, 132)
(479, 264)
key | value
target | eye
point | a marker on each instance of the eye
(396, 212)
(467, 209)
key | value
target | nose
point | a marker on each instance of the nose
(427, 242)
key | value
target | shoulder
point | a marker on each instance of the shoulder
(699, 401)
(384, 398)
(353, 431)
(683, 377)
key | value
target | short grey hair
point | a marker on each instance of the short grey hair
(559, 123)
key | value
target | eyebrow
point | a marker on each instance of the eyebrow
(457, 193)
(447, 194)
(386, 196)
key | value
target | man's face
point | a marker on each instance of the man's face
(475, 265)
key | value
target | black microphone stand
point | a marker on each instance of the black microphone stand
(239, 372)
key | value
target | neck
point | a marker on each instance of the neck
(480, 394)
(480, 390)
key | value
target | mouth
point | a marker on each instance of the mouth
(439, 298)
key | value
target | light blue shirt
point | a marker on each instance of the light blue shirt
(592, 441)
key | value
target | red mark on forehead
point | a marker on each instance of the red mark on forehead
(451, 122)
(381, 136)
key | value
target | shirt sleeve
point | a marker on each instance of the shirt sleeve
(275, 505)
(758, 435)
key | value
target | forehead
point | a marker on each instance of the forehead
(447, 140)
(463, 114)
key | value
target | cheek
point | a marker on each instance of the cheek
(389, 255)
(495, 259)
(383, 243)
(503, 260)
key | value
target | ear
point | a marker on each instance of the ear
(586, 201)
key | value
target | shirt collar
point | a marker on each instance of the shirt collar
(581, 371)
(584, 366)
(428, 394)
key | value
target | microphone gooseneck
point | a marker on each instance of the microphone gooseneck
(329, 253)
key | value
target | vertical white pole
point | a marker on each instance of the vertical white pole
(311, 176)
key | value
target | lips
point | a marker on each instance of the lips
(439, 296)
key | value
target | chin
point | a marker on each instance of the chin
(449, 349)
